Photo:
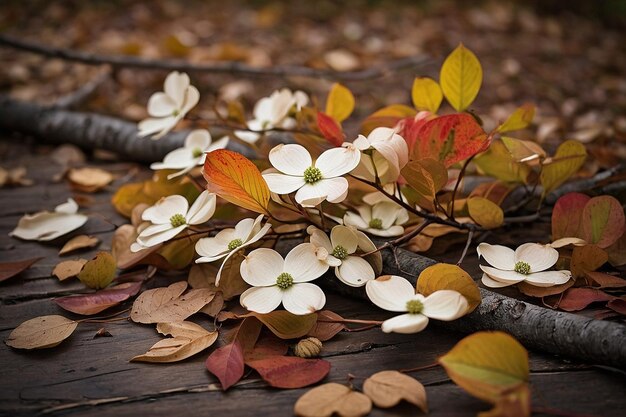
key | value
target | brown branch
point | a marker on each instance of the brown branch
(230, 67)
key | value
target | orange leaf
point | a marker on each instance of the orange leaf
(330, 128)
(237, 180)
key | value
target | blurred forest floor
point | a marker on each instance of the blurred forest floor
(571, 65)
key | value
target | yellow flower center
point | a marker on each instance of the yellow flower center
(414, 306)
(522, 267)
(234, 244)
(197, 152)
(177, 220)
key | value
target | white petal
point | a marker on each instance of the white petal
(165, 208)
(345, 237)
(153, 229)
(303, 265)
(262, 232)
(261, 299)
(202, 209)
(164, 236)
(161, 105)
(244, 228)
(361, 143)
(290, 159)
(69, 207)
(175, 86)
(247, 136)
(261, 267)
(353, 219)
(491, 283)
(211, 247)
(564, 241)
(338, 161)
(199, 138)
(497, 256)
(337, 189)
(354, 271)
(46, 226)
(263, 110)
(301, 99)
(390, 292)
(386, 212)
(282, 102)
(151, 126)
(445, 305)
(303, 298)
(548, 278)
(390, 232)
(176, 159)
(334, 190)
(219, 144)
(539, 257)
(191, 99)
(283, 184)
(510, 277)
(405, 324)
(319, 238)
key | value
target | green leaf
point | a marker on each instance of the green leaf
(520, 119)
(461, 77)
(567, 160)
(497, 162)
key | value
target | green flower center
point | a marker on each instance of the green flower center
(197, 152)
(340, 252)
(376, 224)
(312, 175)
(177, 220)
(175, 112)
(414, 306)
(522, 267)
(284, 281)
(234, 244)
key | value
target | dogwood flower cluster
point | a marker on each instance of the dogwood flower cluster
(384, 219)
(387, 153)
(528, 263)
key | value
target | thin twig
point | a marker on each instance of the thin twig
(470, 236)
(419, 368)
(230, 67)
(400, 240)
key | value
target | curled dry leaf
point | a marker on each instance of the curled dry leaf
(290, 371)
(187, 340)
(46, 225)
(11, 269)
(41, 332)
(324, 329)
(98, 272)
(14, 177)
(89, 179)
(214, 307)
(231, 283)
(388, 388)
(88, 304)
(169, 304)
(333, 398)
(79, 242)
(285, 324)
(68, 269)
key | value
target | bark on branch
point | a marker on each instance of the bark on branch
(231, 67)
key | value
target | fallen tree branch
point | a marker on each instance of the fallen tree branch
(230, 67)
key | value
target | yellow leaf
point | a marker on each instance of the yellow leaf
(386, 117)
(487, 365)
(498, 162)
(98, 272)
(449, 277)
(523, 150)
(567, 160)
(41, 332)
(237, 180)
(340, 103)
(520, 119)
(285, 324)
(461, 77)
(426, 94)
(388, 388)
(485, 212)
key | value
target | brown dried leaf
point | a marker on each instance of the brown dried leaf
(324, 329)
(331, 398)
(68, 269)
(605, 280)
(215, 305)
(169, 304)
(534, 291)
(231, 283)
(41, 332)
(88, 304)
(79, 242)
(88, 179)
(11, 269)
(388, 388)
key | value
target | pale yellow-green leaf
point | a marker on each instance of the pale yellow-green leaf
(426, 94)
(98, 272)
(461, 77)
(443, 276)
(340, 102)
(485, 212)
(567, 160)
(487, 365)
(520, 119)
(523, 150)
(498, 162)
(41, 332)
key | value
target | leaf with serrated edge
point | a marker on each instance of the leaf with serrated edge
(41, 332)
(487, 364)
(331, 398)
(388, 388)
(460, 78)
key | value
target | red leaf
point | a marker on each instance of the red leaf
(576, 299)
(88, 304)
(618, 305)
(567, 215)
(226, 363)
(266, 347)
(451, 138)
(290, 371)
(11, 269)
(324, 329)
(330, 129)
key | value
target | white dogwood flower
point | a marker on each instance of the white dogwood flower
(275, 281)
(314, 182)
(273, 111)
(340, 252)
(394, 293)
(192, 154)
(381, 219)
(168, 107)
(228, 241)
(527, 263)
(170, 216)
(46, 225)
(388, 154)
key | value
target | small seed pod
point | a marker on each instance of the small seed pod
(308, 348)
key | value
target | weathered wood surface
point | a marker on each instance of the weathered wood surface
(88, 376)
